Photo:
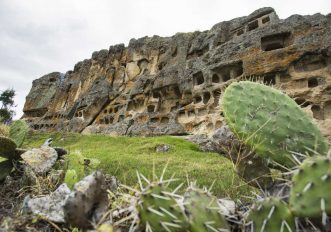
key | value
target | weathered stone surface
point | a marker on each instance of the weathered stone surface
(88, 195)
(87, 202)
(49, 206)
(41, 160)
(172, 85)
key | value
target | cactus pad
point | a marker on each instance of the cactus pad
(18, 131)
(7, 147)
(203, 212)
(271, 214)
(159, 211)
(310, 195)
(270, 122)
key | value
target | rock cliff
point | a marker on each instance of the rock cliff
(172, 85)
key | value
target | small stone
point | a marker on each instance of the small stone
(162, 148)
(49, 206)
(41, 160)
(87, 195)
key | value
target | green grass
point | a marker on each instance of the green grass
(122, 156)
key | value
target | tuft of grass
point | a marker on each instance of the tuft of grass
(123, 156)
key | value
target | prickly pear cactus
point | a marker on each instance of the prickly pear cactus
(18, 131)
(158, 210)
(203, 211)
(310, 194)
(7, 147)
(270, 122)
(271, 214)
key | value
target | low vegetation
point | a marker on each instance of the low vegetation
(123, 156)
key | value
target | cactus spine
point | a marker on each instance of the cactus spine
(271, 214)
(203, 211)
(310, 194)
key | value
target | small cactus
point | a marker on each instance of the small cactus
(310, 194)
(270, 122)
(203, 211)
(158, 210)
(270, 214)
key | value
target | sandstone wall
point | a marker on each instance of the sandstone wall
(172, 85)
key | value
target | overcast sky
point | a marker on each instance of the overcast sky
(41, 36)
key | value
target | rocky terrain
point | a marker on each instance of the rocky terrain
(172, 85)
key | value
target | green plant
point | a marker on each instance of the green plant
(78, 167)
(310, 194)
(158, 209)
(121, 156)
(8, 146)
(203, 211)
(271, 214)
(7, 101)
(271, 123)
(18, 131)
(71, 178)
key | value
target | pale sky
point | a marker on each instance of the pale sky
(42, 36)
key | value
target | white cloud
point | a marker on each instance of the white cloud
(38, 37)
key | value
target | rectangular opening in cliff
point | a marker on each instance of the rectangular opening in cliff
(317, 112)
(215, 78)
(315, 81)
(217, 94)
(302, 102)
(226, 72)
(197, 99)
(275, 41)
(165, 120)
(108, 120)
(269, 79)
(36, 112)
(252, 25)
(151, 108)
(265, 19)
(155, 120)
(206, 97)
(310, 62)
(198, 78)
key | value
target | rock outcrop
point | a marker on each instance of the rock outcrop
(172, 85)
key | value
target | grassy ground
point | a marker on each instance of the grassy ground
(122, 156)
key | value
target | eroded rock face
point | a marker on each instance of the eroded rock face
(172, 85)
